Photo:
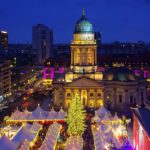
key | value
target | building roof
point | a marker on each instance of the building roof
(143, 115)
(119, 74)
(83, 25)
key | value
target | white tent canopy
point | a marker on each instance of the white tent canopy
(7, 144)
(35, 127)
(39, 110)
(61, 114)
(74, 143)
(38, 114)
(102, 111)
(51, 137)
(23, 134)
(25, 145)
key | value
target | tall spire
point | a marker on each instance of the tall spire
(83, 12)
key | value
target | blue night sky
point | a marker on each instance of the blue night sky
(122, 20)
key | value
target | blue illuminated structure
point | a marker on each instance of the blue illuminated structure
(83, 25)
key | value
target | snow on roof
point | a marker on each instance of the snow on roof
(7, 144)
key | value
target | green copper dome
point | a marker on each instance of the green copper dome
(83, 25)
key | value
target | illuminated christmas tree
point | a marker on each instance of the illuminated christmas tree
(76, 117)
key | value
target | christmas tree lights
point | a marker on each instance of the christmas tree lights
(76, 117)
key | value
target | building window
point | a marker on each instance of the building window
(68, 105)
(142, 96)
(91, 104)
(120, 98)
(91, 94)
(99, 94)
(68, 94)
(131, 99)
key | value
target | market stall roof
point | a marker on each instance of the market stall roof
(39, 110)
(74, 143)
(25, 145)
(61, 114)
(102, 111)
(7, 144)
(35, 127)
(51, 136)
(23, 134)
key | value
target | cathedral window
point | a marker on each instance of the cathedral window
(99, 94)
(142, 96)
(131, 99)
(91, 104)
(91, 94)
(120, 98)
(68, 94)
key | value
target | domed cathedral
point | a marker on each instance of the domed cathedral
(116, 88)
(83, 51)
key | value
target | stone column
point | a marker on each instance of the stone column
(72, 57)
(114, 106)
(95, 56)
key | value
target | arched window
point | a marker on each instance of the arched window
(142, 96)
(131, 99)
(68, 94)
(91, 94)
(99, 94)
(120, 98)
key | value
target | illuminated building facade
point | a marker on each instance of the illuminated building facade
(83, 52)
(4, 39)
(116, 88)
(5, 78)
(141, 128)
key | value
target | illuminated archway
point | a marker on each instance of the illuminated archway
(84, 97)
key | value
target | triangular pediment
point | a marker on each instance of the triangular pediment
(83, 82)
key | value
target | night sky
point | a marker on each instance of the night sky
(122, 20)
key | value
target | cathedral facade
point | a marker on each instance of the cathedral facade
(116, 88)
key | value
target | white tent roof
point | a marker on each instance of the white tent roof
(40, 116)
(31, 117)
(23, 134)
(74, 143)
(6, 144)
(51, 116)
(102, 111)
(27, 125)
(53, 112)
(25, 145)
(35, 127)
(44, 147)
(39, 110)
(23, 116)
(26, 111)
(51, 136)
(96, 118)
(16, 114)
(115, 118)
(61, 114)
